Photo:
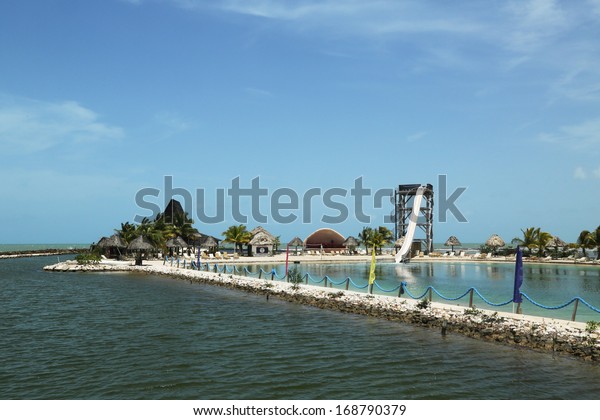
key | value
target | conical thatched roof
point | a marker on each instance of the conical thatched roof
(210, 242)
(495, 241)
(176, 243)
(350, 241)
(114, 241)
(140, 244)
(399, 242)
(556, 242)
(173, 210)
(452, 241)
(296, 242)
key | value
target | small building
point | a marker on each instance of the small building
(325, 238)
(262, 242)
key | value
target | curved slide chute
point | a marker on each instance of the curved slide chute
(412, 225)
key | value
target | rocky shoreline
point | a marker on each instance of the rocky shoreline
(543, 334)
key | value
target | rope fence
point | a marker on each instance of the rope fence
(402, 289)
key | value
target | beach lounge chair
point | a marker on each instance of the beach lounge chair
(452, 254)
(211, 257)
(462, 254)
(236, 255)
(218, 255)
(477, 255)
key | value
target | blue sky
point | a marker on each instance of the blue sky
(100, 99)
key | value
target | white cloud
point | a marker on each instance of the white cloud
(173, 121)
(28, 126)
(258, 92)
(584, 136)
(579, 173)
(415, 137)
(596, 172)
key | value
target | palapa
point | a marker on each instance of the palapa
(210, 242)
(399, 242)
(115, 241)
(495, 241)
(557, 242)
(140, 244)
(260, 229)
(350, 242)
(452, 242)
(296, 242)
(176, 243)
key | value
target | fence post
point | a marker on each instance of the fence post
(575, 309)
(272, 274)
(371, 288)
(215, 268)
(471, 298)
(259, 273)
(430, 294)
(325, 284)
(401, 290)
(306, 275)
(347, 283)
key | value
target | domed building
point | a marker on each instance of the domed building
(325, 238)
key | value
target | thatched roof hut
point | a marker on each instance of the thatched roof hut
(399, 242)
(210, 242)
(296, 242)
(140, 244)
(350, 242)
(556, 242)
(452, 242)
(495, 241)
(115, 241)
(176, 243)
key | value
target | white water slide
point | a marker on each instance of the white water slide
(412, 225)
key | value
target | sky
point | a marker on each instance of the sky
(105, 101)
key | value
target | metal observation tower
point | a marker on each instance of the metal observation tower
(404, 200)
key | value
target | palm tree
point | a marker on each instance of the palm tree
(382, 236)
(542, 241)
(237, 235)
(127, 232)
(584, 241)
(181, 226)
(365, 237)
(530, 238)
(595, 241)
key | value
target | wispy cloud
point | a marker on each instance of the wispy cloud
(579, 173)
(583, 136)
(596, 172)
(415, 137)
(258, 92)
(28, 126)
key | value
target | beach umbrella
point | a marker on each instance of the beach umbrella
(452, 241)
(176, 243)
(495, 242)
(399, 242)
(140, 244)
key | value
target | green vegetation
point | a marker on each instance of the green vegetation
(375, 238)
(295, 278)
(591, 326)
(424, 304)
(238, 235)
(87, 258)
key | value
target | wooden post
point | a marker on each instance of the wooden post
(272, 274)
(471, 299)
(430, 294)
(306, 275)
(325, 278)
(347, 283)
(259, 273)
(575, 309)
(371, 288)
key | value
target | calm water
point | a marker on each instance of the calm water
(549, 285)
(117, 336)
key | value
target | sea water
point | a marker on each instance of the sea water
(549, 285)
(134, 336)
